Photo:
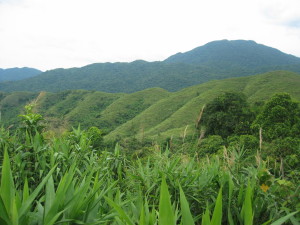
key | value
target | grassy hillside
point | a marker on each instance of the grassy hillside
(152, 112)
(12, 104)
(182, 108)
(215, 60)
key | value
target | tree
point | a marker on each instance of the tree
(280, 118)
(227, 114)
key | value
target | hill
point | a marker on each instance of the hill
(215, 60)
(247, 54)
(152, 112)
(13, 74)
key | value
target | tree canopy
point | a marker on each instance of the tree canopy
(279, 118)
(227, 114)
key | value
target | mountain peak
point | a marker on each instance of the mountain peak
(242, 52)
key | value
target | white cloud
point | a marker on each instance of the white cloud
(64, 33)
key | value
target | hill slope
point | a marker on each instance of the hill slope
(215, 60)
(152, 112)
(13, 74)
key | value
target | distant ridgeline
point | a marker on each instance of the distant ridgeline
(215, 60)
(151, 112)
(14, 74)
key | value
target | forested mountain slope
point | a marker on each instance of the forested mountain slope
(215, 60)
(13, 74)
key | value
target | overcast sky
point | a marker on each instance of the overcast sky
(48, 34)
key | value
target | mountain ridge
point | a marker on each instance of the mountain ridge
(220, 62)
(13, 74)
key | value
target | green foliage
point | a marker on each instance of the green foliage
(96, 137)
(226, 115)
(79, 185)
(166, 214)
(211, 145)
(285, 146)
(279, 118)
(31, 121)
(249, 142)
(72, 179)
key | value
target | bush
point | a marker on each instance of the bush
(248, 142)
(227, 114)
(210, 145)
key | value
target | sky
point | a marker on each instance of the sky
(49, 34)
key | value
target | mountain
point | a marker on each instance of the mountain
(148, 113)
(111, 77)
(14, 74)
(215, 60)
(239, 53)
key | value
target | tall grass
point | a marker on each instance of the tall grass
(65, 181)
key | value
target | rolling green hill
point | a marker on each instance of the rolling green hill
(215, 60)
(152, 112)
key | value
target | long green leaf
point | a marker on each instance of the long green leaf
(283, 219)
(121, 212)
(230, 191)
(7, 189)
(49, 196)
(217, 214)
(25, 191)
(4, 214)
(166, 215)
(206, 217)
(26, 205)
(142, 216)
(187, 218)
(247, 206)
